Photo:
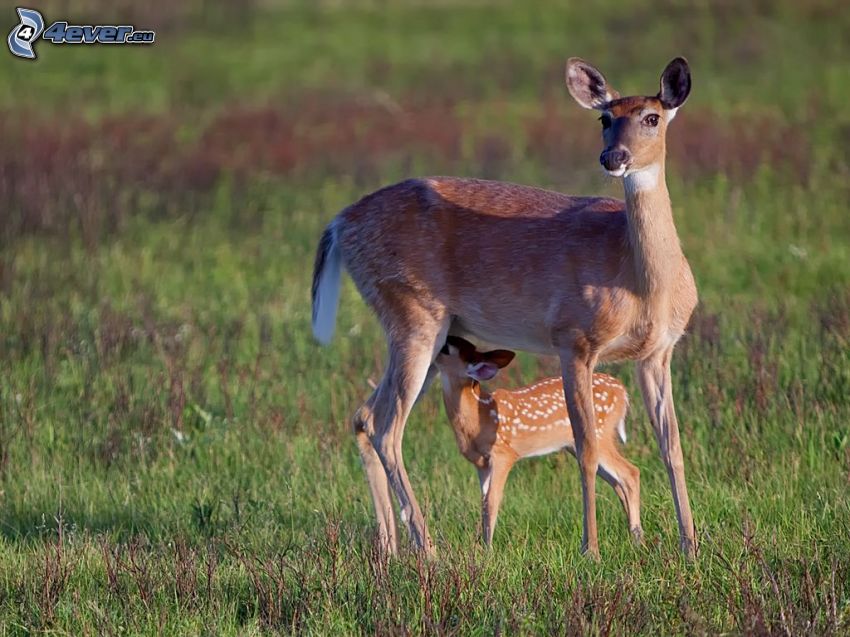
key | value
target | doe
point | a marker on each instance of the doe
(589, 279)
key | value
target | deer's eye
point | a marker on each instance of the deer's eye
(651, 120)
(606, 122)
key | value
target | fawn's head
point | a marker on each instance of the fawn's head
(459, 360)
(633, 128)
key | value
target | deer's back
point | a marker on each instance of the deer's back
(482, 251)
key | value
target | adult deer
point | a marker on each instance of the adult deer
(590, 279)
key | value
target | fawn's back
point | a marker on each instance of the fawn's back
(533, 420)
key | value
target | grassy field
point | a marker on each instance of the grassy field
(175, 453)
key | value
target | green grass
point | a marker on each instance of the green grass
(175, 449)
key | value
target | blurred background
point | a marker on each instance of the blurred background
(162, 402)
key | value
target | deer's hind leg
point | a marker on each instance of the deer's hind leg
(414, 337)
(379, 486)
(624, 478)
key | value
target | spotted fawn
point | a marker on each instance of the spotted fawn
(494, 430)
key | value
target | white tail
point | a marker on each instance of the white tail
(326, 286)
(495, 430)
(588, 279)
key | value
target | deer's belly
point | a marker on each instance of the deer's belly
(528, 330)
(533, 441)
(522, 335)
(543, 451)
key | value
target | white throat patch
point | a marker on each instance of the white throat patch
(642, 180)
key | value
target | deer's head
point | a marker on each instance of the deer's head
(459, 359)
(633, 128)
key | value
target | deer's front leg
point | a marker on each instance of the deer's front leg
(655, 386)
(577, 373)
(492, 480)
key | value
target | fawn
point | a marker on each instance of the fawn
(495, 430)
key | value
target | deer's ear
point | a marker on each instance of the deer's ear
(484, 370)
(675, 84)
(587, 85)
(499, 357)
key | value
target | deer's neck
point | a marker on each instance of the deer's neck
(652, 234)
(464, 401)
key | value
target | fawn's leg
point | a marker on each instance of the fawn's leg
(624, 478)
(493, 479)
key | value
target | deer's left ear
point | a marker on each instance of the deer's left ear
(675, 84)
(484, 370)
(500, 357)
(587, 85)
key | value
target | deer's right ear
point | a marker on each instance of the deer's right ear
(485, 370)
(587, 85)
(675, 84)
(500, 357)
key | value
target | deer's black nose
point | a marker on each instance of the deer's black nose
(614, 158)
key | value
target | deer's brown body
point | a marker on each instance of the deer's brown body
(517, 240)
(588, 279)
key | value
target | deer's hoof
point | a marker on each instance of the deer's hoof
(689, 548)
(591, 553)
(637, 536)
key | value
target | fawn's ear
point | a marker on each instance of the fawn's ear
(483, 370)
(587, 85)
(675, 84)
(457, 346)
(490, 364)
(500, 357)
